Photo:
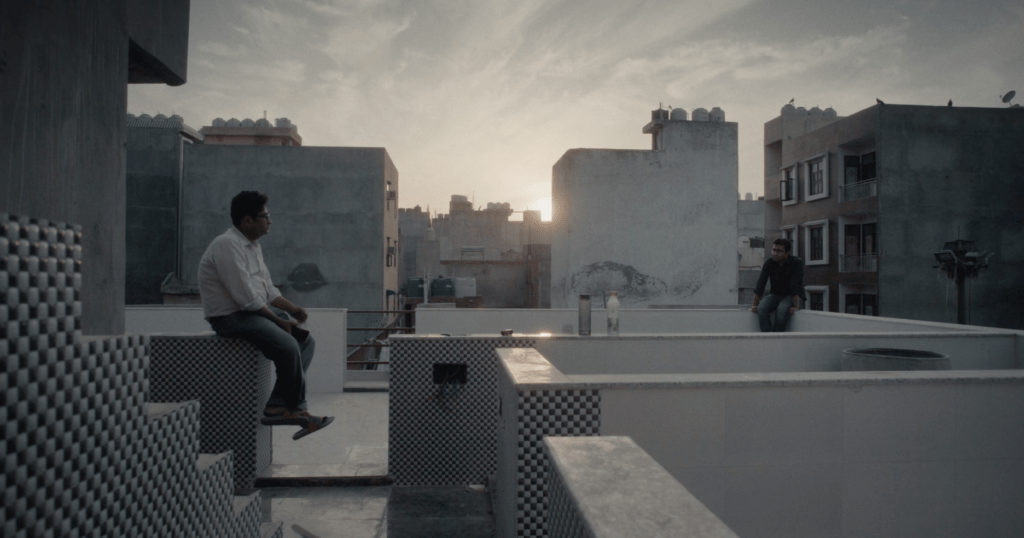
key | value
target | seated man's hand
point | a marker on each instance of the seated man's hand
(793, 309)
(287, 325)
(300, 314)
(753, 309)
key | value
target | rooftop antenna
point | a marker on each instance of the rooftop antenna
(264, 114)
(1009, 97)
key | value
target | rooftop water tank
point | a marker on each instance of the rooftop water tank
(660, 114)
(829, 112)
(459, 198)
(442, 287)
(262, 122)
(717, 114)
(145, 117)
(814, 112)
(233, 122)
(160, 117)
(801, 111)
(678, 114)
(700, 114)
(787, 109)
(247, 122)
(219, 122)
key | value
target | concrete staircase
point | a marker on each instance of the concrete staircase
(85, 454)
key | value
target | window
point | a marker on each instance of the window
(858, 168)
(817, 298)
(814, 173)
(816, 244)
(390, 254)
(788, 186)
(789, 232)
(860, 248)
(816, 177)
(864, 304)
(859, 176)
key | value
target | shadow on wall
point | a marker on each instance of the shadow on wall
(306, 277)
(597, 279)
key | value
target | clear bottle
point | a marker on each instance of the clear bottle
(584, 315)
(613, 313)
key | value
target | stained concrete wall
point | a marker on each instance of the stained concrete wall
(154, 163)
(411, 225)
(947, 173)
(501, 284)
(63, 100)
(328, 208)
(657, 226)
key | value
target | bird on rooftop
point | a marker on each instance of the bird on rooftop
(879, 101)
(950, 103)
(791, 100)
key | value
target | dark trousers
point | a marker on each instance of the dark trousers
(290, 359)
(780, 306)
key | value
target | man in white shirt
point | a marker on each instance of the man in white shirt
(240, 301)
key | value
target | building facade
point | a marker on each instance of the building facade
(658, 226)
(154, 159)
(249, 132)
(868, 199)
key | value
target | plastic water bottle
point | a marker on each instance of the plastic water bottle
(613, 313)
(584, 315)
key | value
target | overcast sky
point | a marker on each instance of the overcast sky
(481, 97)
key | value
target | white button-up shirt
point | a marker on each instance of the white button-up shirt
(233, 277)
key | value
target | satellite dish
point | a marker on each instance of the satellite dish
(1009, 96)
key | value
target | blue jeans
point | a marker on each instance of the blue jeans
(780, 306)
(291, 359)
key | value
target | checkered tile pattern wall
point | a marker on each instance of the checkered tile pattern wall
(526, 418)
(232, 380)
(451, 444)
(83, 453)
(562, 518)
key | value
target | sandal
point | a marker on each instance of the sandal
(291, 417)
(313, 424)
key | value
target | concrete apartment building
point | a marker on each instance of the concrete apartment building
(334, 239)
(510, 260)
(252, 133)
(750, 232)
(869, 198)
(154, 157)
(658, 225)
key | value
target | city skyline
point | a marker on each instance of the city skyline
(482, 98)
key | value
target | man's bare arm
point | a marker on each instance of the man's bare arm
(284, 304)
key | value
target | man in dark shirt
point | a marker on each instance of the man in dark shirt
(786, 274)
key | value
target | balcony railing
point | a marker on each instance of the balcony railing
(864, 263)
(861, 189)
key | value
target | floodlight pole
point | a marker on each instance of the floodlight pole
(959, 268)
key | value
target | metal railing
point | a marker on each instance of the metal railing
(864, 263)
(385, 327)
(861, 189)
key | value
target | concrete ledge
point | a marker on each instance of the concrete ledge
(610, 487)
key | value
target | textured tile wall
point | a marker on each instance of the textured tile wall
(449, 442)
(232, 380)
(83, 453)
(526, 418)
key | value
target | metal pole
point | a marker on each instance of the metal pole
(961, 302)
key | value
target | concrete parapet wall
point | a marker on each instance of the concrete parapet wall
(822, 454)
(608, 487)
(667, 321)
(328, 325)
